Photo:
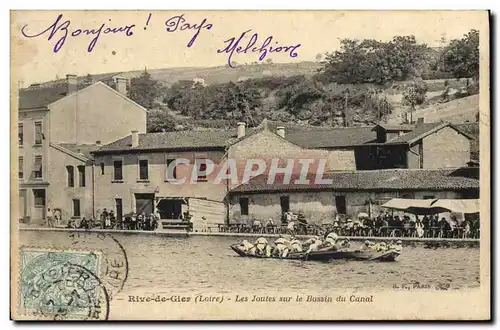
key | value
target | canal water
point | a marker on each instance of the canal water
(206, 263)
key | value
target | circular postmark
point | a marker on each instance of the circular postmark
(114, 270)
(64, 285)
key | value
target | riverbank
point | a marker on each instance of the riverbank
(183, 233)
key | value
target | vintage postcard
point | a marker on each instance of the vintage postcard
(250, 165)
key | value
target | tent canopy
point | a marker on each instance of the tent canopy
(458, 205)
(433, 206)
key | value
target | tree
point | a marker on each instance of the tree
(372, 61)
(414, 94)
(159, 120)
(88, 79)
(461, 57)
(145, 90)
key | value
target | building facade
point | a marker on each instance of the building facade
(420, 146)
(132, 173)
(58, 125)
(83, 147)
(349, 194)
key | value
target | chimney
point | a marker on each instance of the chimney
(241, 129)
(420, 121)
(135, 139)
(280, 130)
(71, 83)
(121, 85)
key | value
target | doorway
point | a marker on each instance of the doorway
(144, 203)
(340, 204)
(119, 209)
(170, 208)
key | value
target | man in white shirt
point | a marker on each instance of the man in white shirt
(49, 216)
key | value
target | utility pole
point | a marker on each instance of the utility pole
(346, 114)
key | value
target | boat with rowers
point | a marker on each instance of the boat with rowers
(315, 249)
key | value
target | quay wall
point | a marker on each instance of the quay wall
(471, 242)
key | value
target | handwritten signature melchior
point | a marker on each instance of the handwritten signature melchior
(62, 30)
(238, 45)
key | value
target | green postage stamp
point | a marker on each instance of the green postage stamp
(61, 284)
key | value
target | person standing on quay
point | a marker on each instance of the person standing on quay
(49, 216)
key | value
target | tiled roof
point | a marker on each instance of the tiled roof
(41, 95)
(367, 180)
(31, 98)
(416, 133)
(304, 136)
(175, 140)
(83, 149)
(329, 137)
(389, 127)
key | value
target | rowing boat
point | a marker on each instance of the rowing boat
(327, 255)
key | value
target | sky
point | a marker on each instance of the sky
(150, 45)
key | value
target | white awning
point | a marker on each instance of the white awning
(433, 206)
(458, 205)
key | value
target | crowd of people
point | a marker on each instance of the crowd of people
(131, 221)
(383, 225)
(108, 220)
(288, 244)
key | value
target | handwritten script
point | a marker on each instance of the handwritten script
(242, 45)
(62, 29)
(179, 23)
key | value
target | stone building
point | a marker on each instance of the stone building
(132, 173)
(349, 193)
(59, 124)
(420, 146)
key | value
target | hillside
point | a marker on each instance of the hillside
(225, 74)
(456, 111)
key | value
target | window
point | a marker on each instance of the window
(244, 205)
(38, 132)
(118, 170)
(37, 171)
(408, 195)
(21, 168)
(285, 204)
(20, 134)
(143, 169)
(102, 168)
(174, 173)
(81, 175)
(202, 168)
(39, 196)
(340, 204)
(429, 197)
(76, 207)
(71, 176)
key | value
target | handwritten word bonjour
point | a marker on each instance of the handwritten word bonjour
(62, 30)
(179, 23)
(238, 46)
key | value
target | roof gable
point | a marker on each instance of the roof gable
(423, 130)
(80, 152)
